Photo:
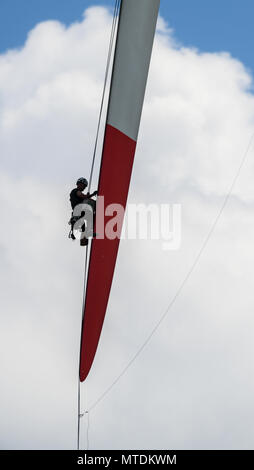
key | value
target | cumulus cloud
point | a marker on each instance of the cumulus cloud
(192, 385)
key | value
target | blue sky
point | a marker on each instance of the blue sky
(210, 26)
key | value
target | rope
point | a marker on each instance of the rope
(87, 431)
(111, 42)
(187, 276)
(80, 415)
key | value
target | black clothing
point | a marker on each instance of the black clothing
(74, 198)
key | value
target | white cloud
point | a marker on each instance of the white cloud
(193, 382)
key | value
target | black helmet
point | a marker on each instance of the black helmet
(83, 181)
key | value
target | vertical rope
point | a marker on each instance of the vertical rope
(80, 415)
(87, 431)
(111, 42)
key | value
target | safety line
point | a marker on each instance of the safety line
(187, 276)
(111, 42)
(87, 430)
(80, 415)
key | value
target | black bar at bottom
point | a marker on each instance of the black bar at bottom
(125, 458)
